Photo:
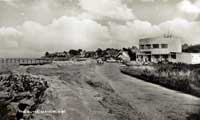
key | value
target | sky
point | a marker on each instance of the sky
(28, 28)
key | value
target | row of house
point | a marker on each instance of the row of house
(164, 48)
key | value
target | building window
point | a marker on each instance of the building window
(173, 56)
(155, 45)
(156, 56)
(147, 52)
(164, 45)
(165, 56)
(148, 46)
(141, 46)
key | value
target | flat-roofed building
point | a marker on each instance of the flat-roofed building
(156, 49)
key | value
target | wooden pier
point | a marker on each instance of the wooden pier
(25, 61)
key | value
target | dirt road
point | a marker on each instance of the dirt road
(87, 91)
(152, 101)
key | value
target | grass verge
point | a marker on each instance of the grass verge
(184, 78)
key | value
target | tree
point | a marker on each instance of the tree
(74, 52)
(131, 52)
(185, 46)
(124, 49)
(46, 54)
(99, 52)
(65, 52)
(80, 50)
(134, 47)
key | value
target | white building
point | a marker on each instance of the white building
(124, 56)
(188, 58)
(165, 48)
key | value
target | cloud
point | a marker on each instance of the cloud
(153, 0)
(175, 25)
(188, 9)
(62, 34)
(15, 12)
(129, 34)
(9, 2)
(114, 9)
(50, 9)
(9, 31)
(32, 39)
(9, 37)
(93, 24)
(189, 31)
(147, 0)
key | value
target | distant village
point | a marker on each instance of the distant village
(161, 49)
(109, 54)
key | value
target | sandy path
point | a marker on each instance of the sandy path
(153, 101)
(68, 91)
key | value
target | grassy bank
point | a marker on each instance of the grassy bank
(181, 77)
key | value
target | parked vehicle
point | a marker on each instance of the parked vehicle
(111, 60)
(100, 61)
